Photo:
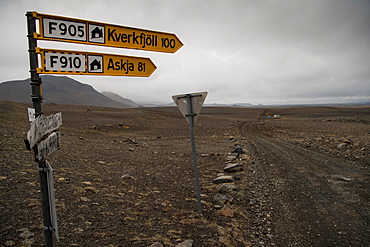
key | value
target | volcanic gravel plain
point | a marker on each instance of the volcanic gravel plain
(124, 177)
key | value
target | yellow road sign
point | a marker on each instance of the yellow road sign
(92, 63)
(59, 28)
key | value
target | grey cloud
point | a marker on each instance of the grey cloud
(239, 51)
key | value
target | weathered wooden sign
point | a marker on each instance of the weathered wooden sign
(47, 146)
(42, 126)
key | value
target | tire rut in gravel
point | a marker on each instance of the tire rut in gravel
(319, 200)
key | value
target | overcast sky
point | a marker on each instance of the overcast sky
(261, 51)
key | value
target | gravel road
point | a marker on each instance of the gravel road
(318, 199)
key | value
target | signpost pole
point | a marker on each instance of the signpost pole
(36, 85)
(191, 124)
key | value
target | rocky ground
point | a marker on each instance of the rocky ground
(124, 177)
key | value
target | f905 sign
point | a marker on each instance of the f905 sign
(54, 28)
(65, 62)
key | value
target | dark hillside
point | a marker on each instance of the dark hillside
(59, 90)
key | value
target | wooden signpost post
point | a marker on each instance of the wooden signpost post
(43, 137)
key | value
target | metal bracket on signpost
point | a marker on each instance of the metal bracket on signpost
(191, 116)
(44, 169)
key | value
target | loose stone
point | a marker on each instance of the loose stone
(226, 211)
(236, 167)
(90, 190)
(227, 188)
(156, 244)
(9, 243)
(238, 149)
(221, 199)
(342, 145)
(127, 176)
(186, 243)
(223, 179)
(232, 156)
(25, 233)
(85, 199)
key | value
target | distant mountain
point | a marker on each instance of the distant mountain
(59, 90)
(155, 103)
(120, 99)
(229, 105)
(164, 104)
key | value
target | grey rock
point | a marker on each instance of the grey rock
(342, 145)
(220, 199)
(25, 233)
(127, 176)
(227, 188)
(342, 178)
(29, 242)
(186, 243)
(130, 141)
(9, 243)
(223, 179)
(156, 244)
(235, 167)
(238, 149)
(232, 156)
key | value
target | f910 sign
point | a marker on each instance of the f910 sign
(66, 62)
(92, 63)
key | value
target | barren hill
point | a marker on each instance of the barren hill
(120, 99)
(59, 90)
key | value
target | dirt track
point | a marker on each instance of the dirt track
(319, 200)
(124, 177)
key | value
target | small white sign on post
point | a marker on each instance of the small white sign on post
(31, 114)
(197, 100)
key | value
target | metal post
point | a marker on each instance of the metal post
(45, 201)
(191, 124)
(36, 83)
(36, 95)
